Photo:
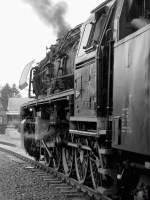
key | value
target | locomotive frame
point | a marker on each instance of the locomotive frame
(88, 90)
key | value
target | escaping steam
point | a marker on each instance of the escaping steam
(52, 14)
(36, 136)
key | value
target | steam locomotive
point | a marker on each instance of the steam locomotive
(90, 115)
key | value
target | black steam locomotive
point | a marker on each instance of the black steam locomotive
(90, 116)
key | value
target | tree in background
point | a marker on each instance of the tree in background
(15, 91)
(6, 92)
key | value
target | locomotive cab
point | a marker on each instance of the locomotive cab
(131, 78)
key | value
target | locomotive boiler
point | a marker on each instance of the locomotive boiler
(90, 115)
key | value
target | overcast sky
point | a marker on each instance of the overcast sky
(24, 36)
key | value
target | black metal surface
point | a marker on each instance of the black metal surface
(132, 93)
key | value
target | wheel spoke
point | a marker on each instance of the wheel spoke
(46, 158)
(81, 162)
(67, 156)
(56, 158)
(95, 175)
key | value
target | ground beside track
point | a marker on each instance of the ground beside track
(19, 181)
(12, 141)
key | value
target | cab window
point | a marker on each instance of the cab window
(92, 31)
(97, 28)
(135, 15)
(86, 29)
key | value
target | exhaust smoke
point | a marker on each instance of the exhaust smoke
(52, 14)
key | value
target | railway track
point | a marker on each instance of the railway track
(66, 186)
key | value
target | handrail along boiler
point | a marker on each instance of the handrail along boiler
(90, 116)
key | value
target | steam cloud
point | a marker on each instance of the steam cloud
(40, 136)
(52, 14)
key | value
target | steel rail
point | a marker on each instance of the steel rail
(93, 195)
